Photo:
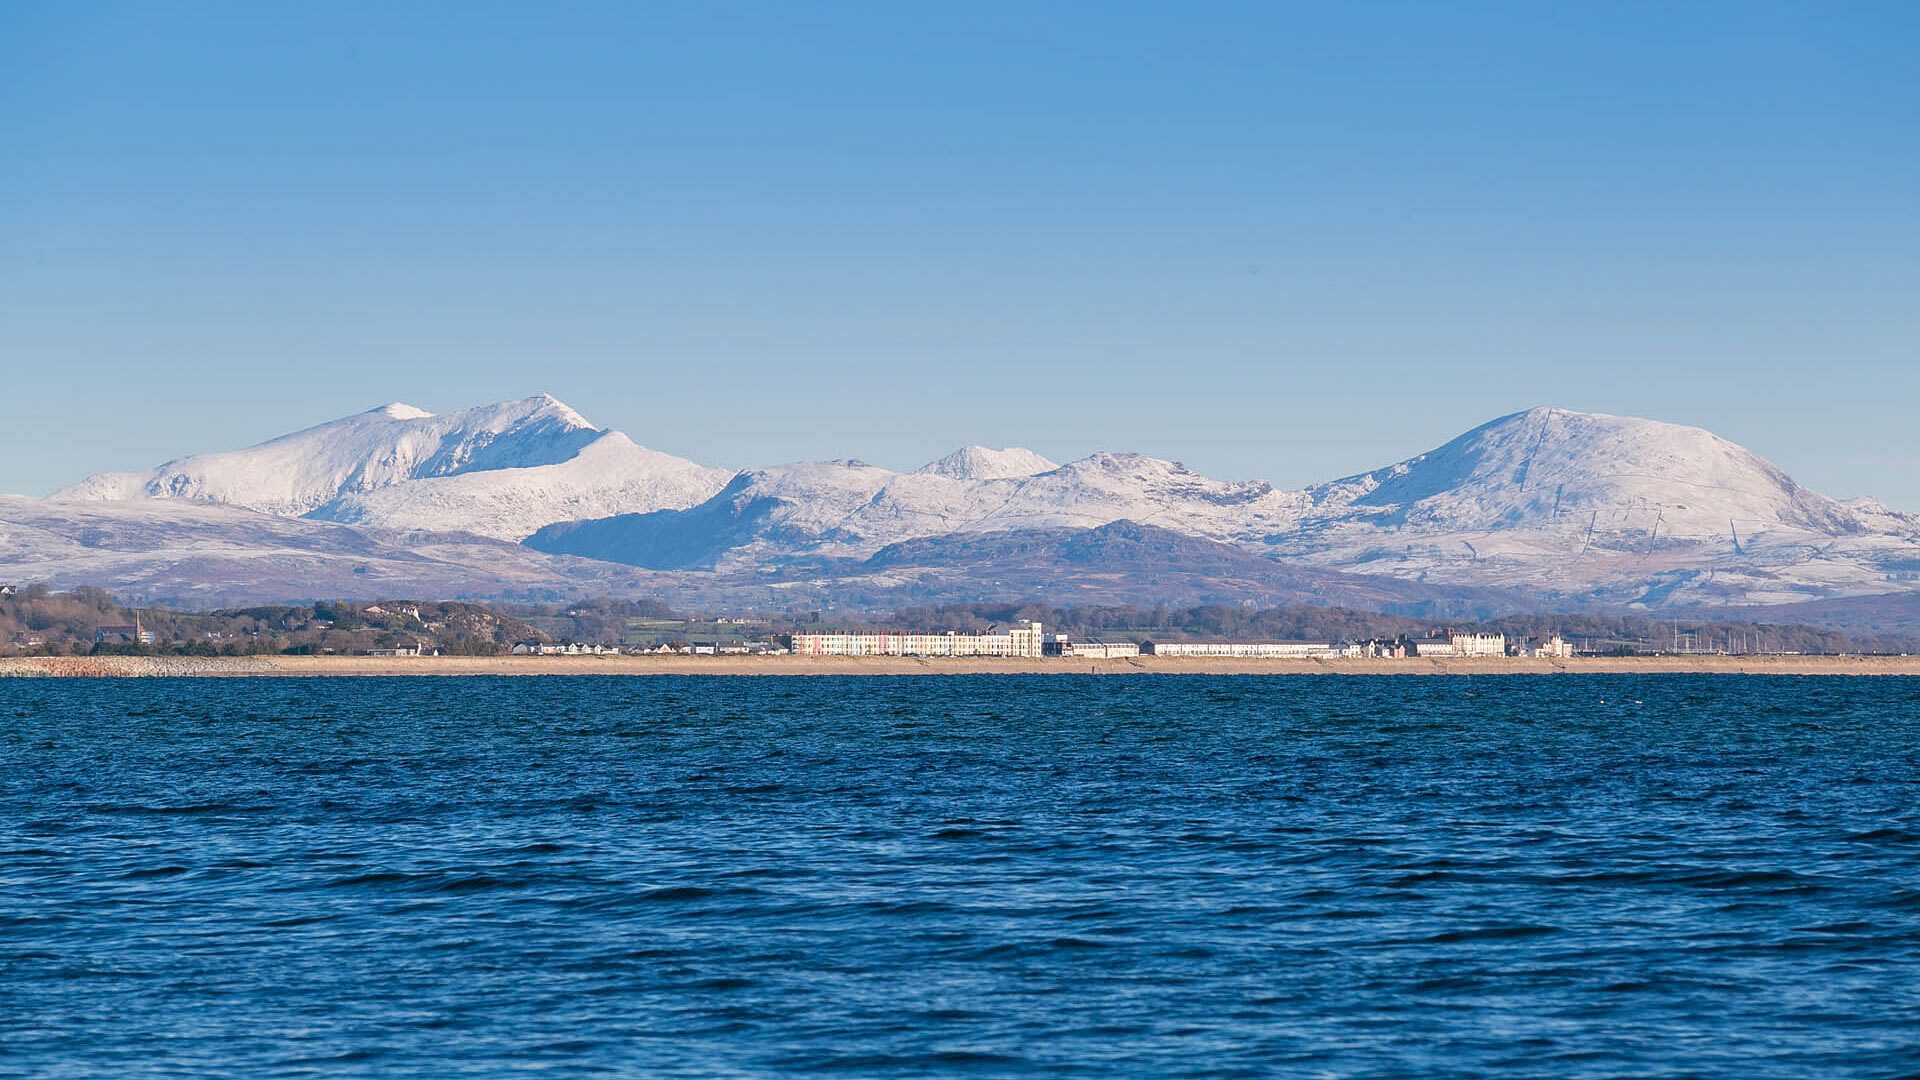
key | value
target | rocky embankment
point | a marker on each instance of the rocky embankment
(123, 667)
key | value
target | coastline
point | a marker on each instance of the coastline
(368, 666)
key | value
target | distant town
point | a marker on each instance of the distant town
(1030, 639)
(36, 621)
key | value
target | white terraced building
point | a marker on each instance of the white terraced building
(1463, 645)
(1021, 640)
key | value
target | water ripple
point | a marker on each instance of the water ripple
(988, 876)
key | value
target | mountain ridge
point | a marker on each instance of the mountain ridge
(498, 470)
(1577, 508)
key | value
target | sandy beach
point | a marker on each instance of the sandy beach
(298, 666)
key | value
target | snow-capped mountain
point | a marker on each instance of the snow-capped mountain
(1580, 506)
(1607, 508)
(1550, 467)
(1574, 509)
(980, 463)
(500, 470)
(850, 508)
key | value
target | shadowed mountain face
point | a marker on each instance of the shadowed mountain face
(1127, 545)
(694, 539)
(1124, 562)
(201, 556)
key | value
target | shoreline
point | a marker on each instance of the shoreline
(429, 666)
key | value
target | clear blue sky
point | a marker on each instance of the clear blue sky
(1285, 241)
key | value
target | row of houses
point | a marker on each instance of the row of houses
(694, 648)
(1062, 646)
(1449, 645)
(571, 648)
(1028, 640)
(1457, 645)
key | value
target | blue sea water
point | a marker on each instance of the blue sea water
(1102, 876)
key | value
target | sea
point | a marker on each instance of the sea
(1060, 875)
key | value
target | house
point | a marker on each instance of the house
(9, 590)
(1062, 645)
(416, 649)
(128, 634)
(1554, 648)
(26, 640)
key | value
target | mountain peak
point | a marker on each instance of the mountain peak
(982, 463)
(339, 469)
(541, 406)
(1550, 467)
(400, 410)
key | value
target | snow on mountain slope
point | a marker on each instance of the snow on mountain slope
(980, 463)
(1612, 508)
(850, 508)
(298, 473)
(1546, 466)
(1881, 518)
(1109, 487)
(1578, 508)
(611, 475)
(499, 470)
(204, 555)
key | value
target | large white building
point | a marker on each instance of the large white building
(1254, 650)
(1022, 640)
(1099, 650)
(1463, 645)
